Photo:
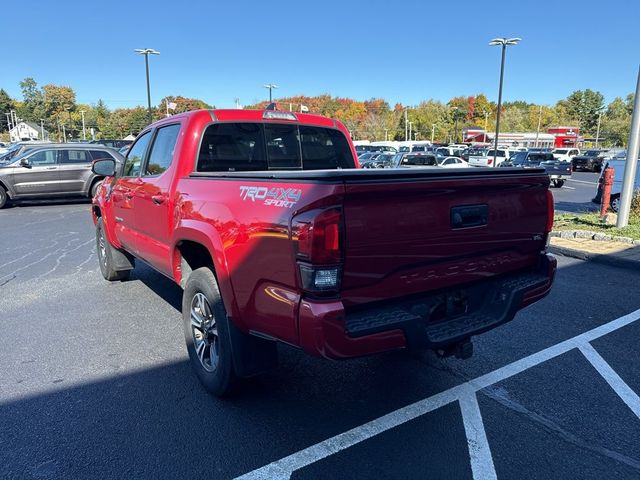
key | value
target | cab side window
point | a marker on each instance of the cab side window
(162, 150)
(136, 156)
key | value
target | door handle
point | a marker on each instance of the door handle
(158, 199)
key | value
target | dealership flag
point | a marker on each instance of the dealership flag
(304, 108)
(172, 105)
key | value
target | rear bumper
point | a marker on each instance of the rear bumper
(327, 330)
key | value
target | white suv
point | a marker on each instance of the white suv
(565, 154)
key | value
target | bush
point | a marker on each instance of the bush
(635, 204)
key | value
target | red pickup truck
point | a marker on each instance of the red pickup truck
(276, 235)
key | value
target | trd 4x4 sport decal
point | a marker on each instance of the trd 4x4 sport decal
(277, 196)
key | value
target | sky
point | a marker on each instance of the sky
(401, 51)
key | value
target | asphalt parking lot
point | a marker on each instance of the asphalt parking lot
(576, 194)
(95, 382)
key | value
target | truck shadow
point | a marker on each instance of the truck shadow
(576, 207)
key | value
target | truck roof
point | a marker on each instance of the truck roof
(241, 115)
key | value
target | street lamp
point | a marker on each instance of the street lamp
(503, 42)
(433, 131)
(146, 52)
(270, 86)
(455, 128)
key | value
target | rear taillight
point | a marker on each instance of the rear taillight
(550, 211)
(317, 238)
(489, 161)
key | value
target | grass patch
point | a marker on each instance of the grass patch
(591, 222)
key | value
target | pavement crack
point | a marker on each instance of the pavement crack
(7, 280)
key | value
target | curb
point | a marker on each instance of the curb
(596, 236)
(611, 260)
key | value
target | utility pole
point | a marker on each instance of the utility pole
(539, 122)
(486, 119)
(84, 135)
(504, 42)
(632, 162)
(598, 130)
(64, 133)
(455, 122)
(270, 87)
(386, 134)
(406, 126)
(41, 129)
(9, 124)
(433, 131)
(410, 127)
(415, 136)
(146, 52)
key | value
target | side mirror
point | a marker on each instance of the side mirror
(24, 162)
(105, 167)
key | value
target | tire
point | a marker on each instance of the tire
(206, 331)
(615, 202)
(105, 256)
(94, 188)
(558, 183)
(3, 197)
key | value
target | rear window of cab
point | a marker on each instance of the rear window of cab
(247, 146)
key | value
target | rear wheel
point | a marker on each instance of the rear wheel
(3, 197)
(105, 256)
(206, 330)
(558, 183)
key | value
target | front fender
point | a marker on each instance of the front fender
(206, 235)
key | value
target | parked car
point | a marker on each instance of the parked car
(417, 159)
(476, 152)
(616, 188)
(116, 144)
(565, 154)
(558, 171)
(57, 170)
(19, 148)
(591, 160)
(451, 151)
(488, 159)
(274, 235)
(383, 160)
(452, 162)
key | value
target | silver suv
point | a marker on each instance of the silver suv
(57, 170)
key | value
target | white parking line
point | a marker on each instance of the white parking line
(569, 188)
(582, 181)
(479, 451)
(619, 386)
(283, 468)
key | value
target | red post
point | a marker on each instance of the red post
(607, 182)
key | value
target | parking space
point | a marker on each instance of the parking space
(576, 194)
(95, 383)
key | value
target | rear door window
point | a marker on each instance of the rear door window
(74, 156)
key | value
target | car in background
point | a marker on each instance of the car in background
(18, 149)
(382, 160)
(55, 170)
(591, 161)
(618, 175)
(452, 162)
(615, 154)
(374, 148)
(123, 151)
(558, 171)
(565, 154)
(116, 144)
(450, 151)
(417, 159)
(489, 159)
(472, 151)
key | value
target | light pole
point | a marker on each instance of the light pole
(84, 136)
(503, 42)
(41, 129)
(433, 131)
(146, 52)
(410, 129)
(598, 130)
(270, 86)
(539, 123)
(455, 122)
(386, 134)
(486, 118)
(68, 109)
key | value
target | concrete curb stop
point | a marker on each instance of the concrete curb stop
(621, 259)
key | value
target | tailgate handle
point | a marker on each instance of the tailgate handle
(469, 216)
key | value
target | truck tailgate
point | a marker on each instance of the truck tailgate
(431, 231)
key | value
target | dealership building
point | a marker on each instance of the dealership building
(555, 137)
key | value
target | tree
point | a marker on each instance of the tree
(6, 105)
(616, 122)
(585, 106)
(32, 105)
(183, 104)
